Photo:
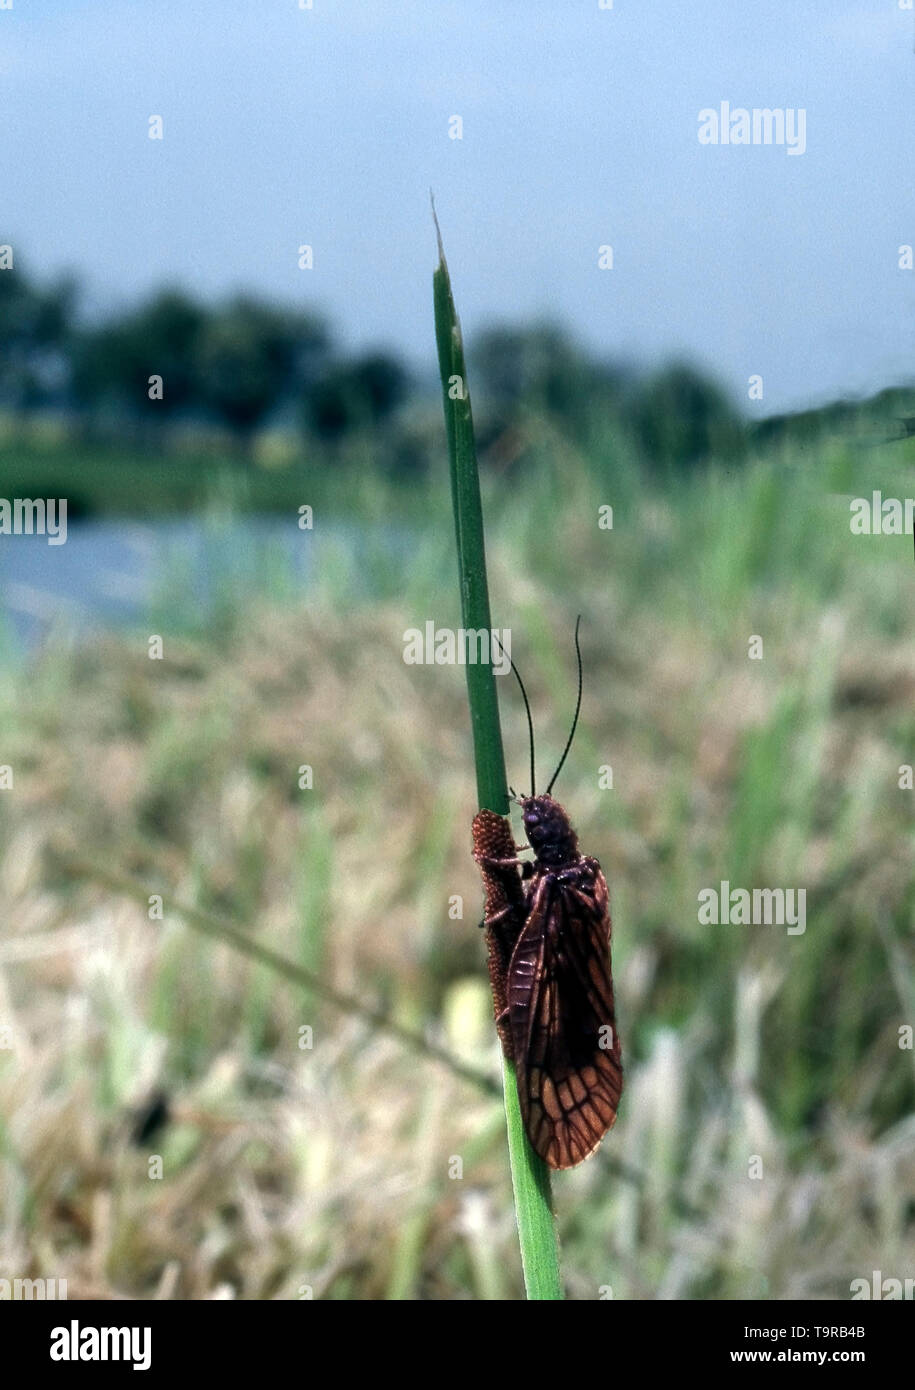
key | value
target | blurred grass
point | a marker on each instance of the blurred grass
(330, 1167)
(112, 480)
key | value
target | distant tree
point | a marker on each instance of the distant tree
(236, 362)
(535, 366)
(251, 357)
(541, 369)
(355, 395)
(113, 364)
(35, 327)
(99, 356)
(678, 416)
(166, 336)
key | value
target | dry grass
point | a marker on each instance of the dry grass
(329, 1167)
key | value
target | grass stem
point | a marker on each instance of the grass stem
(530, 1175)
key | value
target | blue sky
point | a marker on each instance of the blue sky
(328, 126)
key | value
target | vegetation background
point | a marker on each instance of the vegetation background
(332, 1168)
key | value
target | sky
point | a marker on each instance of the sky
(328, 126)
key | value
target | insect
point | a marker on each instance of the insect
(548, 937)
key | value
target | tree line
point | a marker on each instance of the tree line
(245, 363)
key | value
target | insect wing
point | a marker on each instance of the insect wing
(560, 1002)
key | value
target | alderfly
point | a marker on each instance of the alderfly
(548, 935)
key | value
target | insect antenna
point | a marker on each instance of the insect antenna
(577, 711)
(530, 722)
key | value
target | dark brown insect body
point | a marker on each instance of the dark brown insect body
(549, 963)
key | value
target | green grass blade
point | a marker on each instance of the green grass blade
(530, 1176)
(492, 790)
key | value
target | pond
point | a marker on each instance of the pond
(154, 573)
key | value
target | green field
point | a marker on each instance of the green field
(747, 1050)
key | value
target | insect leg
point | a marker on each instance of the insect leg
(498, 916)
(498, 863)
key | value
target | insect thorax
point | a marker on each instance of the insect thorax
(549, 832)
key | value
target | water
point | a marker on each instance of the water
(157, 573)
